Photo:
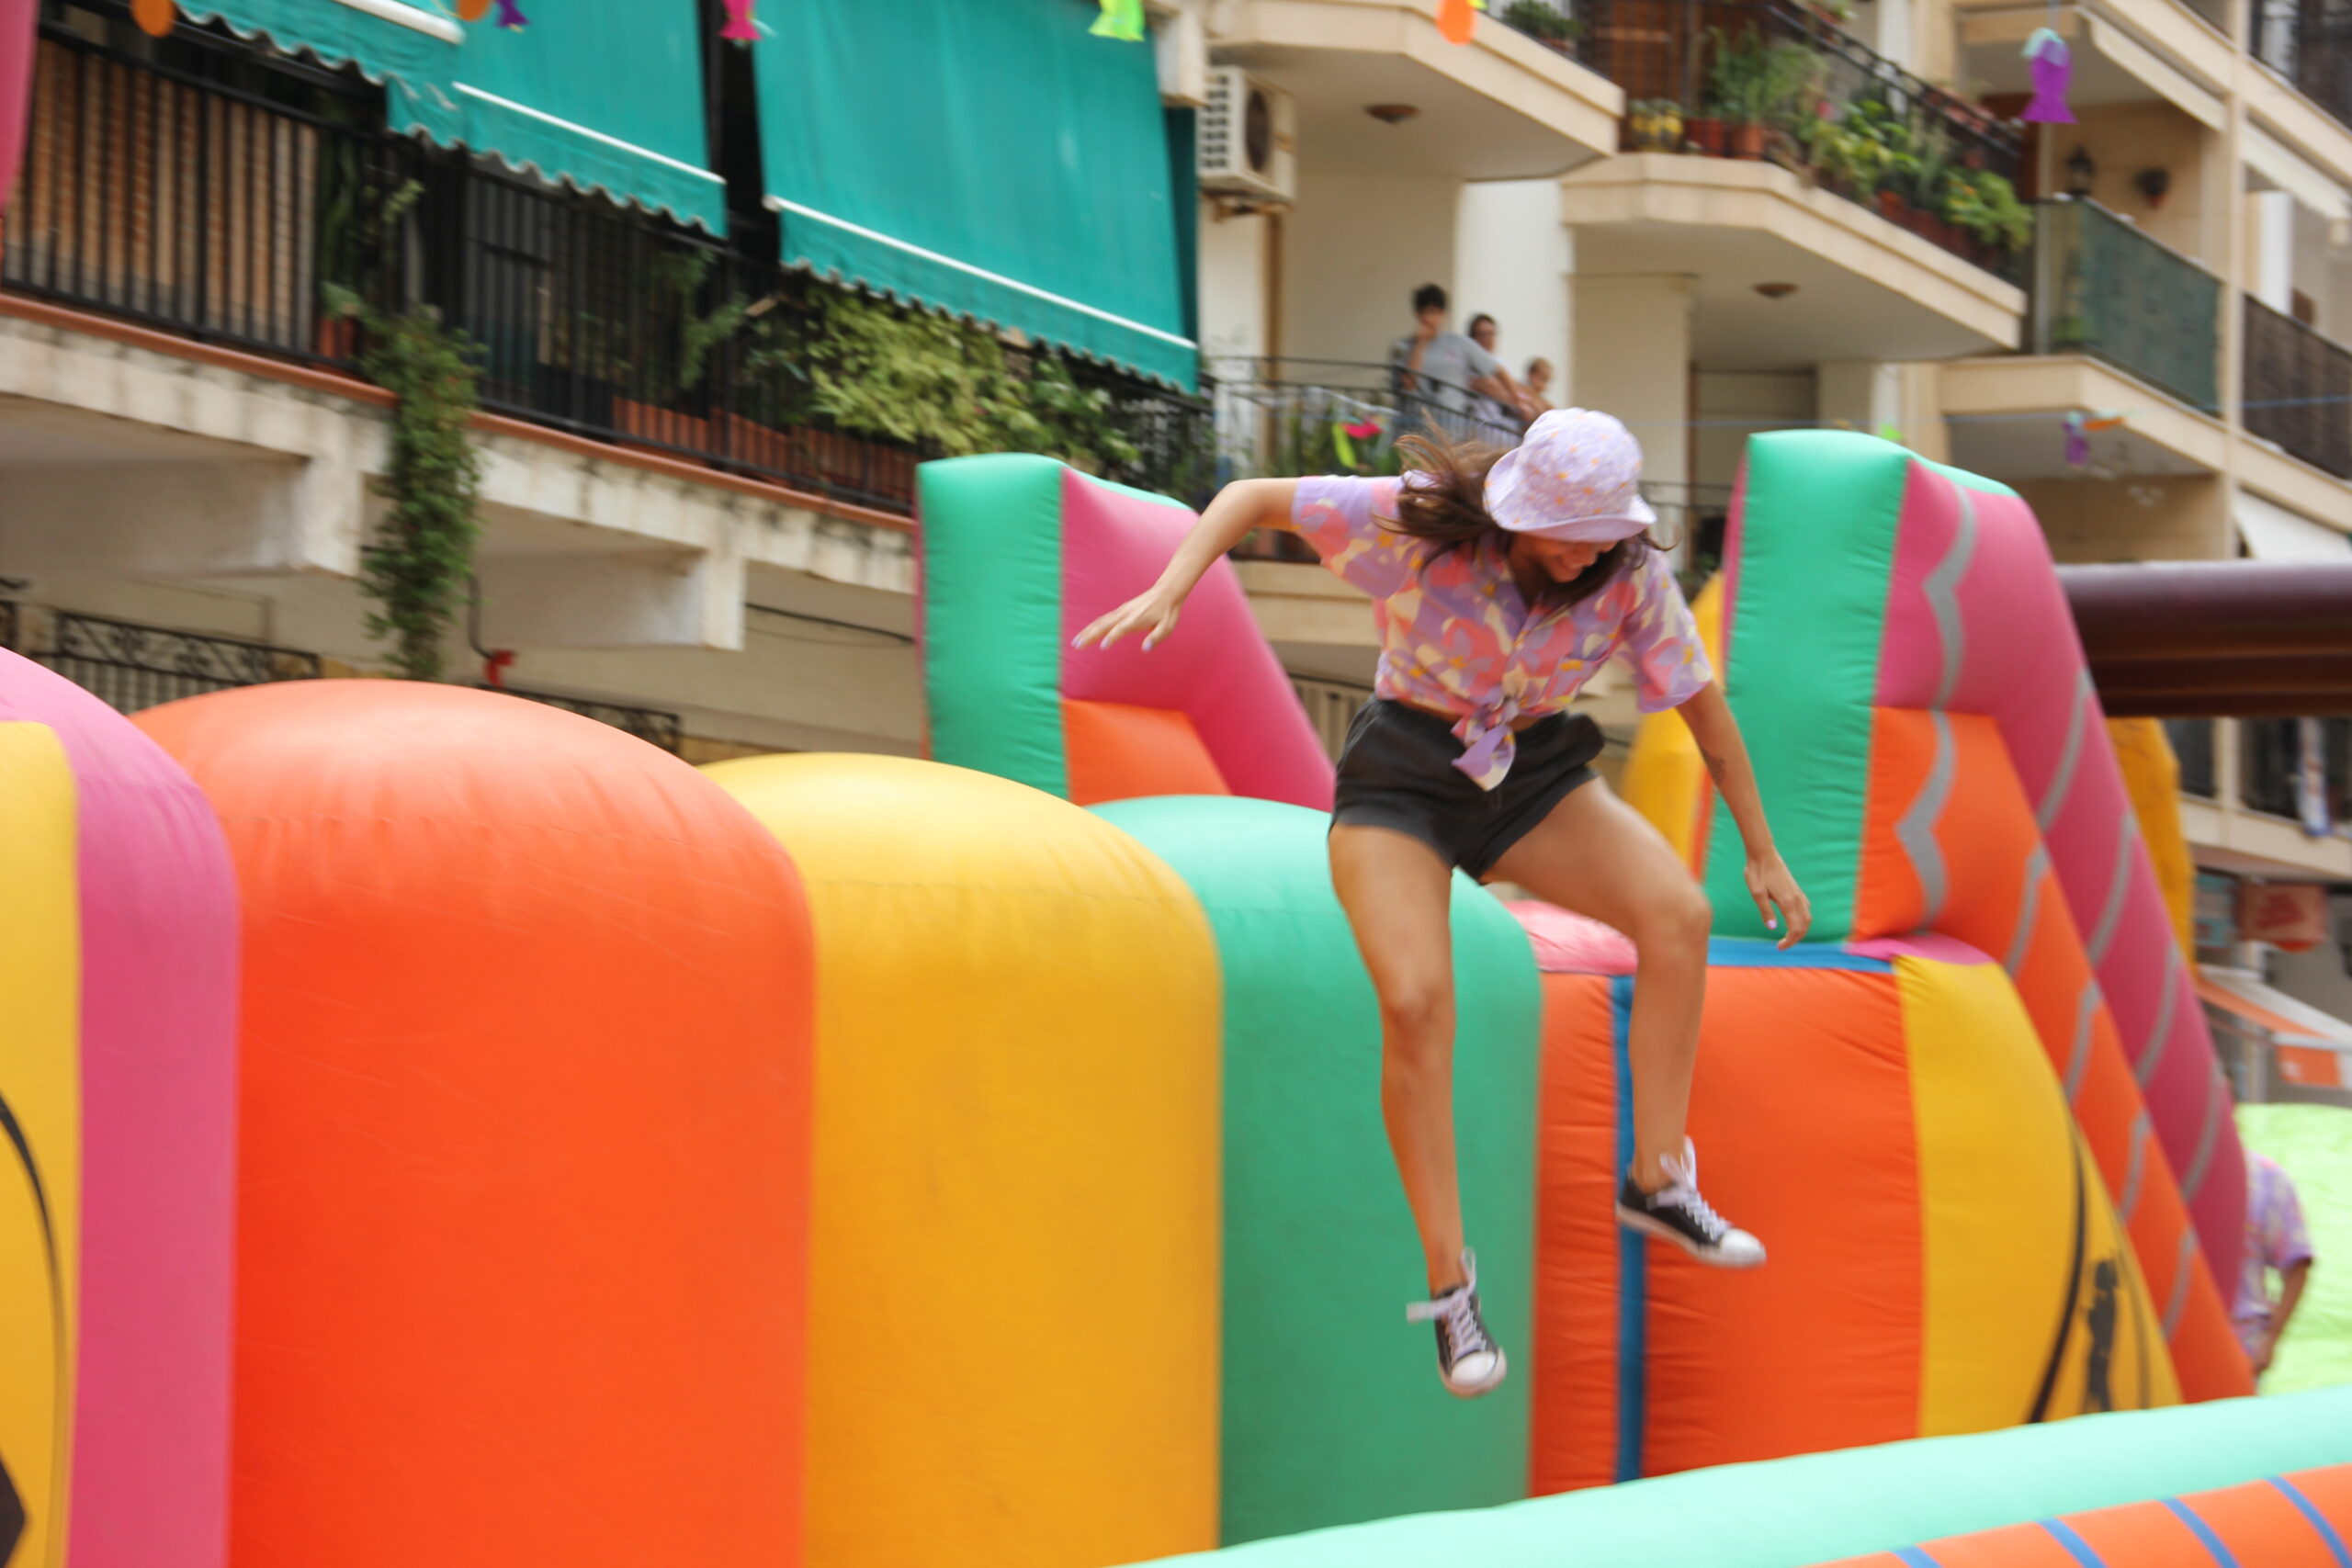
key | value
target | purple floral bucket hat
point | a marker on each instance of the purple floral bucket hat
(1577, 475)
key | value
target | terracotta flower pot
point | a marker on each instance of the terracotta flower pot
(1747, 140)
(1707, 136)
(1894, 208)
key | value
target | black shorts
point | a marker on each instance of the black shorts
(1397, 772)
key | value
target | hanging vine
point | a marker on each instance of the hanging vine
(419, 567)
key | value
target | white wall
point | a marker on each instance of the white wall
(1511, 260)
(1354, 249)
(1734, 406)
(1633, 360)
(1232, 284)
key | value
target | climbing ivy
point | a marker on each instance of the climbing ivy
(421, 559)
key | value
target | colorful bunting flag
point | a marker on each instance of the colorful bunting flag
(1120, 19)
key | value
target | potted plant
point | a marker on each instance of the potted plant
(1546, 26)
(1653, 125)
(1737, 81)
(1705, 130)
(1983, 207)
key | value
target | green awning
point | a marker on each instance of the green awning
(604, 95)
(986, 157)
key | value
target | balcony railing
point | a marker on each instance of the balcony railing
(2103, 287)
(2297, 389)
(222, 194)
(2310, 43)
(130, 666)
(1773, 79)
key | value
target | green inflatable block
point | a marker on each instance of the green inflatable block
(1333, 1409)
(2313, 1144)
(1818, 1508)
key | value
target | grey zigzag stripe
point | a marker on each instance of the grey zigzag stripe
(1915, 828)
(2161, 1035)
(2053, 795)
(2078, 1060)
(2135, 1172)
(2180, 1273)
(2036, 867)
(2200, 1162)
(2118, 887)
(1943, 592)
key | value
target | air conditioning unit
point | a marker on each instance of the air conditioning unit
(1247, 139)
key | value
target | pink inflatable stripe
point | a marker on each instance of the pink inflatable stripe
(159, 990)
(1215, 667)
(1977, 623)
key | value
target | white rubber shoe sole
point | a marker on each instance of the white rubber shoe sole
(1485, 1385)
(1729, 1257)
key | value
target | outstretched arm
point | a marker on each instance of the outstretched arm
(1240, 508)
(2290, 1292)
(1777, 897)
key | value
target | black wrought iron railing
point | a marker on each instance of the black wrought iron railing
(198, 186)
(2102, 287)
(1774, 79)
(2297, 389)
(130, 666)
(661, 728)
(2309, 43)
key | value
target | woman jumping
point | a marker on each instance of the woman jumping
(1501, 585)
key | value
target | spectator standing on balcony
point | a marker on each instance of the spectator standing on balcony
(2275, 1239)
(1439, 374)
(1503, 580)
(1538, 381)
(1498, 422)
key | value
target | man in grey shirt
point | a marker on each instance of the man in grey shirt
(1441, 377)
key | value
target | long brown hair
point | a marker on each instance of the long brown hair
(1444, 499)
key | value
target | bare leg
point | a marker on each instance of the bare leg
(1597, 856)
(1396, 891)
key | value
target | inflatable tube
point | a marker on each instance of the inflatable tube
(1816, 1509)
(1019, 554)
(1330, 1408)
(2280, 1521)
(1014, 1303)
(523, 1142)
(151, 938)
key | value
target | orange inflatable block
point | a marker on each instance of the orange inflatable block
(1122, 751)
(524, 1138)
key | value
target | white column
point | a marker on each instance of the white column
(1510, 261)
(1632, 356)
(2272, 278)
(1860, 394)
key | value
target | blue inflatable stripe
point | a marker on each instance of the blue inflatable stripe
(2076, 1547)
(2310, 1511)
(1751, 952)
(1915, 1557)
(1633, 1277)
(2202, 1532)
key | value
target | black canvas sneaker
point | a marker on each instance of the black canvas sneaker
(1676, 1213)
(1468, 1362)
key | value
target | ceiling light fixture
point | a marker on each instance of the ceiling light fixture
(1391, 114)
(1776, 290)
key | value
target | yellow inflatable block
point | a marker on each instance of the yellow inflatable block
(1013, 1298)
(2033, 1308)
(2151, 778)
(1664, 779)
(41, 1117)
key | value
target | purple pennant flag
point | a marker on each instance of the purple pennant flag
(2051, 65)
(509, 16)
(2079, 441)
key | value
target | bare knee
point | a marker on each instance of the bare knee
(1416, 1019)
(1673, 924)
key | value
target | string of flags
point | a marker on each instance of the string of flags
(2078, 434)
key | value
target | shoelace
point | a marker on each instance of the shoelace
(1456, 1313)
(1682, 1191)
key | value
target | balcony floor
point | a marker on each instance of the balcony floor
(1866, 289)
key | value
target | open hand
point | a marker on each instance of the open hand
(1779, 899)
(1152, 614)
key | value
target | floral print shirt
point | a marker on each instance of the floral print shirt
(2275, 1238)
(1456, 637)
